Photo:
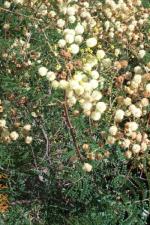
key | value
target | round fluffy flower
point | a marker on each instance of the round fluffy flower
(106, 62)
(94, 74)
(2, 123)
(61, 43)
(119, 115)
(72, 101)
(91, 42)
(136, 148)
(60, 23)
(63, 84)
(137, 113)
(94, 83)
(111, 140)
(113, 130)
(27, 127)
(101, 107)
(79, 91)
(128, 154)
(138, 70)
(72, 19)
(55, 84)
(19, 1)
(87, 167)
(141, 53)
(51, 76)
(145, 102)
(79, 29)
(7, 4)
(28, 140)
(96, 95)
(148, 88)
(126, 143)
(137, 78)
(133, 126)
(69, 38)
(14, 135)
(87, 106)
(143, 146)
(100, 54)
(74, 48)
(71, 11)
(74, 84)
(127, 101)
(78, 39)
(42, 71)
(95, 115)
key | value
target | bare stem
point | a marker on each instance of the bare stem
(72, 130)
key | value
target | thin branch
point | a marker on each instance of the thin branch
(72, 130)
(47, 145)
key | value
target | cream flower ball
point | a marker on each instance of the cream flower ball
(94, 83)
(113, 130)
(94, 74)
(72, 101)
(87, 67)
(63, 84)
(55, 84)
(148, 88)
(101, 107)
(74, 84)
(60, 23)
(79, 91)
(145, 102)
(19, 1)
(136, 148)
(127, 101)
(79, 29)
(96, 95)
(95, 115)
(138, 70)
(133, 126)
(14, 135)
(100, 54)
(51, 76)
(69, 31)
(61, 43)
(119, 115)
(137, 78)
(28, 140)
(42, 71)
(137, 113)
(27, 127)
(87, 167)
(111, 140)
(87, 106)
(2, 123)
(126, 143)
(7, 4)
(69, 38)
(141, 53)
(74, 49)
(78, 39)
(72, 19)
(71, 11)
(91, 42)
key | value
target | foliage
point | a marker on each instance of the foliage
(46, 182)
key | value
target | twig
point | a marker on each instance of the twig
(72, 130)
(47, 144)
